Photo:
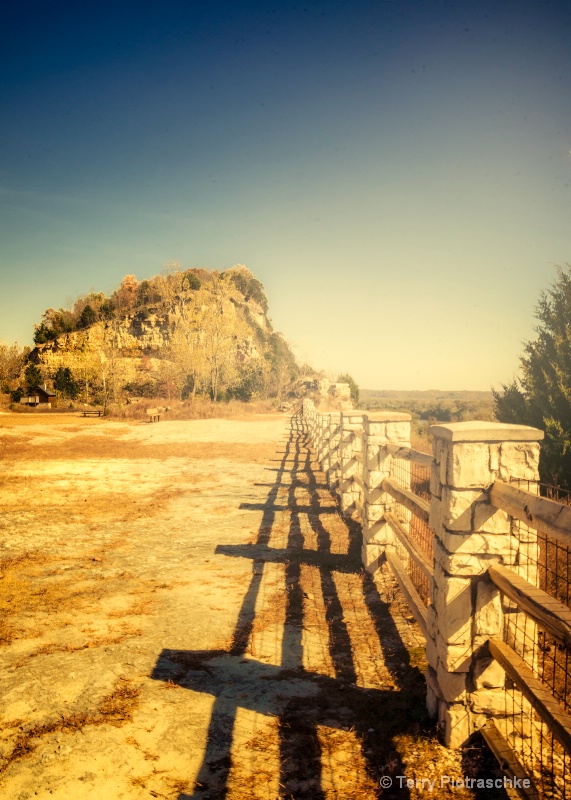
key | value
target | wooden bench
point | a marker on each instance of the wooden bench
(154, 414)
(92, 413)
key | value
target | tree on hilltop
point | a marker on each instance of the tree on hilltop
(542, 396)
(176, 289)
(54, 324)
(125, 297)
(87, 318)
(248, 285)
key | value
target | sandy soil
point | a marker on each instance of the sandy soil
(184, 616)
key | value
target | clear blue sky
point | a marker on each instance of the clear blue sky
(396, 173)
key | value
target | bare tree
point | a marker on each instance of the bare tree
(11, 362)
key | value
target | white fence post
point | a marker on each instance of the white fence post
(379, 428)
(333, 471)
(322, 444)
(351, 453)
(307, 411)
(465, 686)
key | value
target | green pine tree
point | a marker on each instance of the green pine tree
(542, 396)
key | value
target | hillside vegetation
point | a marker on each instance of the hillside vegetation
(432, 405)
(179, 335)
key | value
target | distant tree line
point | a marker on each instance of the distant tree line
(446, 409)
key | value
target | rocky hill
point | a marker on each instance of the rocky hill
(180, 334)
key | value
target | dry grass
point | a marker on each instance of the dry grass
(23, 594)
(344, 773)
(200, 408)
(102, 502)
(116, 708)
(255, 767)
(118, 446)
(421, 440)
(96, 641)
(41, 595)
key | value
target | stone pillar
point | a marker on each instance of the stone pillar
(310, 422)
(465, 686)
(315, 429)
(351, 451)
(308, 409)
(325, 450)
(322, 444)
(333, 470)
(379, 428)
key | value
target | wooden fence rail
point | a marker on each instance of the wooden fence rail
(406, 498)
(481, 568)
(540, 513)
(551, 615)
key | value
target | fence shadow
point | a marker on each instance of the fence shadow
(301, 699)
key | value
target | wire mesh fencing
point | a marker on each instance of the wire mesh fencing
(544, 561)
(416, 478)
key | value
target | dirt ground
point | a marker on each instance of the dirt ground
(184, 616)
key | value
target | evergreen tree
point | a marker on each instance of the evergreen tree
(87, 318)
(542, 397)
(65, 383)
(32, 376)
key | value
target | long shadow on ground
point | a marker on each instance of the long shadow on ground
(301, 699)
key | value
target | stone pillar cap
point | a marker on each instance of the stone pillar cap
(480, 431)
(388, 416)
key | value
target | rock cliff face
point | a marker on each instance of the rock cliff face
(145, 332)
(148, 331)
(207, 339)
(152, 332)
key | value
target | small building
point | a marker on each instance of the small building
(39, 396)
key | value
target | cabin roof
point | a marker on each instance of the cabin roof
(41, 390)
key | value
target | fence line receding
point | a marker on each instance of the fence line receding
(482, 553)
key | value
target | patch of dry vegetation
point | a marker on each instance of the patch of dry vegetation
(199, 408)
(21, 594)
(101, 440)
(421, 440)
(116, 708)
(42, 596)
